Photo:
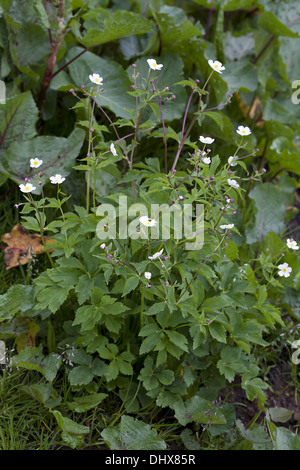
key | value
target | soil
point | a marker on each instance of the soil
(281, 394)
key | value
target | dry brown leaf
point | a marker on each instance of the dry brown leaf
(253, 111)
(22, 246)
(27, 338)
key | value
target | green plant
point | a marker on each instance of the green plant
(172, 326)
(167, 320)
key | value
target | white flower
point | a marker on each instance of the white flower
(113, 150)
(233, 183)
(228, 226)
(95, 78)
(231, 161)
(148, 275)
(153, 64)
(27, 188)
(216, 65)
(243, 130)
(292, 244)
(57, 179)
(35, 162)
(146, 221)
(102, 246)
(156, 255)
(285, 270)
(206, 140)
(206, 160)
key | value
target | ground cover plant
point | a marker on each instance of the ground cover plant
(149, 224)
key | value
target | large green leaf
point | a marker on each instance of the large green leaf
(132, 434)
(18, 117)
(241, 76)
(58, 155)
(85, 403)
(18, 298)
(273, 25)
(72, 432)
(270, 212)
(286, 440)
(174, 28)
(116, 82)
(199, 410)
(103, 26)
(32, 358)
(28, 36)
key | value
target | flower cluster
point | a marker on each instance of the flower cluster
(36, 163)
(284, 269)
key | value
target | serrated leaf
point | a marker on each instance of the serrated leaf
(178, 339)
(218, 331)
(83, 287)
(156, 308)
(18, 298)
(80, 375)
(51, 298)
(130, 284)
(165, 376)
(150, 342)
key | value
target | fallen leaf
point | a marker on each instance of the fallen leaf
(22, 246)
(253, 111)
(27, 338)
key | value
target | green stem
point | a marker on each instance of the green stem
(88, 183)
(142, 308)
(94, 185)
(41, 229)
